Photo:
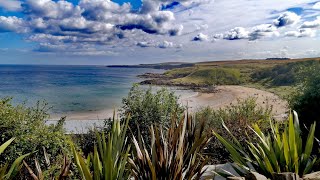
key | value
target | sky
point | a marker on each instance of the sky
(101, 32)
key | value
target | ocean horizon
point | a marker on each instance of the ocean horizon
(69, 88)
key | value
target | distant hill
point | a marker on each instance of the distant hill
(278, 59)
(165, 66)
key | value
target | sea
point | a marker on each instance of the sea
(69, 89)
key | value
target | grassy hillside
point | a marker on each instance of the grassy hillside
(212, 76)
(277, 76)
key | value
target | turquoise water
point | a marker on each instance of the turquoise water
(69, 88)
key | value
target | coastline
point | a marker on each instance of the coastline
(222, 97)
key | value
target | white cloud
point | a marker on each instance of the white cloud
(165, 44)
(51, 9)
(13, 24)
(316, 5)
(201, 37)
(301, 33)
(311, 24)
(287, 18)
(10, 5)
(98, 25)
(263, 30)
(144, 44)
(236, 33)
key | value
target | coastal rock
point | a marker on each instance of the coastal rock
(312, 176)
(152, 75)
(236, 178)
(210, 169)
(255, 176)
(285, 176)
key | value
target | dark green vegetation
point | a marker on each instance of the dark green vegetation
(306, 100)
(146, 107)
(274, 152)
(110, 156)
(174, 153)
(27, 125)
(237, 118)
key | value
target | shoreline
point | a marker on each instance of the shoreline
(224, 96)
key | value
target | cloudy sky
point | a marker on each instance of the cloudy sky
(149, 31)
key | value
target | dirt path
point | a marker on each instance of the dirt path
(227, 95)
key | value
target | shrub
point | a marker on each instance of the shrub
(237, 117)
(110, 156)
(7, 172)
(28, 125)
(282, 75)
(146, 108)
(42, 174)
(173, 154)
(306, 100)
(275, 152)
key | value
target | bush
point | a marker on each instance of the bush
(110, 155)
(7, 172)
(282, 75)
(275, 152)
(174, 153)
(237, 117)
(32, 134)
(306, 100)
(146, 108)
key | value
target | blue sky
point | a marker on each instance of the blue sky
(149, 31)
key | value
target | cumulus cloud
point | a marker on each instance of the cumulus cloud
(316, 5)
(144, 44)
(301, 33)
(11, 5)
(50, 9)
(236, 33)
(12, 24)
(287, 18)
(55, 23)
(311, 24)
(165, 44)
(263, 30)
(256, 32)
(201, 37)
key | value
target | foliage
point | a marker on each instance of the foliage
(282, 75)
(7, 172)
(42, 175)
(28, 125)
(306, 100)
(278, 151)
(173, 154)
(109, 159)
(146, 108)
(237, 117)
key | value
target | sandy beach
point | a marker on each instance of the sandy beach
(225, 96)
